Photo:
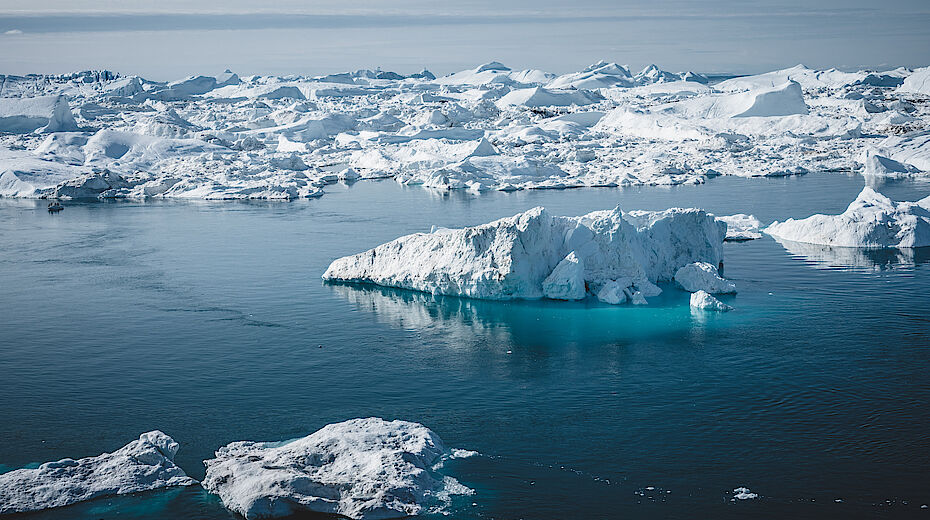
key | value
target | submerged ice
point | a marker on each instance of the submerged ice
(614, 255)
(142, 465)
(361, 469)
(98, 135)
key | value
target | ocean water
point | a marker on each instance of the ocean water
(210, 322)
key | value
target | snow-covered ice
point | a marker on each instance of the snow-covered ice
(227, 136)
(704, 301)
(535, 254)
(142, 465)
(361, 468)
(870, 221)
(741, 226)
(702, 276)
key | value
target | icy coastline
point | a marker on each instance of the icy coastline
(98, 135)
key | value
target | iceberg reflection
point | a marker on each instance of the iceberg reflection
(856, 258)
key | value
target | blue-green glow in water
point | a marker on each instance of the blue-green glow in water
(205, 320)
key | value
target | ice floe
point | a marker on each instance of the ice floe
(142, 465)
(870, 221)
(741, 226)
(361, 469)
(534, 255)
(489, 128)
(743, 493)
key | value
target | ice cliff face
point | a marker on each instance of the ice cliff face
(870, 221)
(142, 465)
(535, 255)
(361, 469)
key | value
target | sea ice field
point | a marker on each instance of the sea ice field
(96, 134)
(209, 321)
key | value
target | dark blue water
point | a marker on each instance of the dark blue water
(205, 320)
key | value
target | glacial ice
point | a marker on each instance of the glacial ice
(703, 301)
(741, 226)
(702, 276)
(361, 469)
(142, 465)
(870, 221)
(487, 128)
(534, 255)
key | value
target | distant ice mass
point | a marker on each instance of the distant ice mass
(360, 469)
(870, 221)
(741, 227)
(614, 255)
(222, 135)
(142, 465)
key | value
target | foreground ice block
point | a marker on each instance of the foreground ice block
(703, 301)
(870, 221)
(534, 255)
(142, 465)
(362, 468)
(40, 113)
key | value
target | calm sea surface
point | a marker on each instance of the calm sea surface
(206, 320)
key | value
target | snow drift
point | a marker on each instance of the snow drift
(361, 469)
(534, 255)
(142, 465)
(870, 221)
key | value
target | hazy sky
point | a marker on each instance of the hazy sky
(168, 39)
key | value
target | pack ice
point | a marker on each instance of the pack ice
(142, 465)
(362, 469)
(96, 134)
(870, 221)
(617, 256)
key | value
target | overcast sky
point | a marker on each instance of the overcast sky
(169, 39)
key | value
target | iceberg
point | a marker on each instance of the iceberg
(701, 276)
(36, 114)
(918, 82)
(361, 469)
(870, 221)
(741, 227)
(703, 301)
(142, 465)
(534, 255)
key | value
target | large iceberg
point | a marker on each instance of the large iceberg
(870, 221)
(40, 113)
(534, 255)
(361, 469)
(142, 465)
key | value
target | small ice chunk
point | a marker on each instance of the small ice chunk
(612, 293)
(142, 465)
(743, 493)
(702, 276)
(741, 226)
(703, 301)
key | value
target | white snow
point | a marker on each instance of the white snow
(488, 128)
(701, 276)
(361, 469)
(870, 221)
(534, 254)
(142, 465)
